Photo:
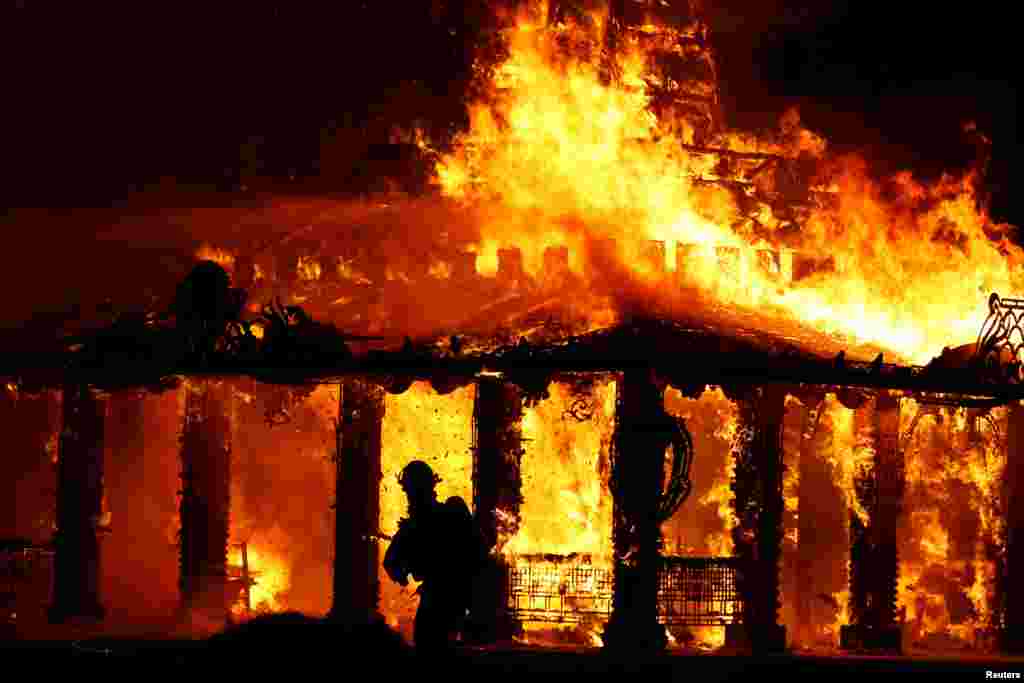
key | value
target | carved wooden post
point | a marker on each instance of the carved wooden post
(356, 586)
(874, 561)
(206, 499)
(76, 587)
(758, 536)
(637, 481)
(497, 495)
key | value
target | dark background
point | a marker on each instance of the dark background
(102, 101)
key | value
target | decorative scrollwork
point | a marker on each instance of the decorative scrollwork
(998, 352)
(581, 410)
(679, 484)
(668, 432)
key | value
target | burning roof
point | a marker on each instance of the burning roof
(597, 185)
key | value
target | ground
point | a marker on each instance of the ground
(103, 656)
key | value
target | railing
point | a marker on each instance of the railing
(699, 591)
(692, 591)
(558, 589)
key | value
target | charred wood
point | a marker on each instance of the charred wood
(497, 496)
(637, 479)
(757, 485)
(356, 586)
(874, 561)
(76, 586)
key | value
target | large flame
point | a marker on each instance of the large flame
(703, 525)
(560, 154)
(280, 498)
(566, 502)
(268, 571)
(563, 150)
(567, 507)
(954, 465)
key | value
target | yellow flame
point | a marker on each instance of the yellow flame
(270, 573)
(566, 502)
(560, 154)
(308, 268)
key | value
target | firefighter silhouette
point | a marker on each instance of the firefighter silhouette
(438, 544)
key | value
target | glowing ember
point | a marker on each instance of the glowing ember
(708, 637)
(270, 575)
(308, 268)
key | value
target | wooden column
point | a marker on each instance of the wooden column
(874, 561)
(638, 474)
(498, 453)
(822, 547)
(811, 469)
(356, 586)
(1011, 592)
(757, 485)
(206, 499)
(497, 496)
(76, 587)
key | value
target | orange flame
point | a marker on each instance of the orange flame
(270, 575)
(566, 502)
(560, 155)
(222, 257)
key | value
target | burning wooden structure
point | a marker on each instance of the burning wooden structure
(641, 591)
(715, 277)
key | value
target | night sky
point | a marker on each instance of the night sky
(106, 100)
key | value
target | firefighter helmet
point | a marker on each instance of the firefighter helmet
(418, 475)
